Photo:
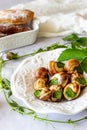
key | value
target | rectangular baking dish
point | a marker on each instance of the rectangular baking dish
(19, 39)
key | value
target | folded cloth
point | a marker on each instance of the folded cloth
(59, 17)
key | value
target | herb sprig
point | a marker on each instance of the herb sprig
(5, 84)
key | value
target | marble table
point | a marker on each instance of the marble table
(10, 120)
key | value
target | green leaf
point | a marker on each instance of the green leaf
(53, 81)
(82, 41)
(13, 104)
(79, 69)
(38, 51)
(9, 93)
(84, 64)
(20, 109)
(11, 55)
(81, 81)
(67, 54)
(71, 37)
(55, 46)
(75, 44)
(79, 43)
(4, 83)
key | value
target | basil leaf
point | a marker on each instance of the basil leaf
(79, 69)
(84, 64)
(67, 54)
(82, 41)
(71, 37)
(81, 81)
(75, 44)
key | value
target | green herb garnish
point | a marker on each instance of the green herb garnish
(57, 94)
(81, 81)
(11, 55)
(68, 93)
(75, 41)
(84, 64)
(53, 81)
(67, 54)
(71, 37)
(79, 69)
(37, 93)
(55, 46)
(82, 41)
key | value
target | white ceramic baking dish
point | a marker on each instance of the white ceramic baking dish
(19, 39)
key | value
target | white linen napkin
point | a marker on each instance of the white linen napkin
(59, 17)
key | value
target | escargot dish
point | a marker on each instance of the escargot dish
(61, 81)
(47, 87)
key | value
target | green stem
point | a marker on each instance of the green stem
(31, 112)
(18, 57)
(15, 108)
(60, 121)
(48, 48)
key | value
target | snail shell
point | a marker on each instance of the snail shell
(45, 94)
(42, 72)
(72, 91)
(70, 65)
(39, 84)
(53, 67)
(62, 78)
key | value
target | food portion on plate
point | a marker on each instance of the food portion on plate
(15, 20)
(55, 83)
(52, 81)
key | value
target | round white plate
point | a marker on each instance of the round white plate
(22, 83)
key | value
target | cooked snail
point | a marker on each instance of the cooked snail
(71, 91)
(70, 65)
(39, 84)
(42, 72)
(53, 67)
(74, 76)
(43, 94)
(56, 93)
(54, 82)
(60, 78)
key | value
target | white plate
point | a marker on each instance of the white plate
(19, 39)
(22, 83)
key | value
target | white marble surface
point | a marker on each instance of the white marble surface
(10, 120)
